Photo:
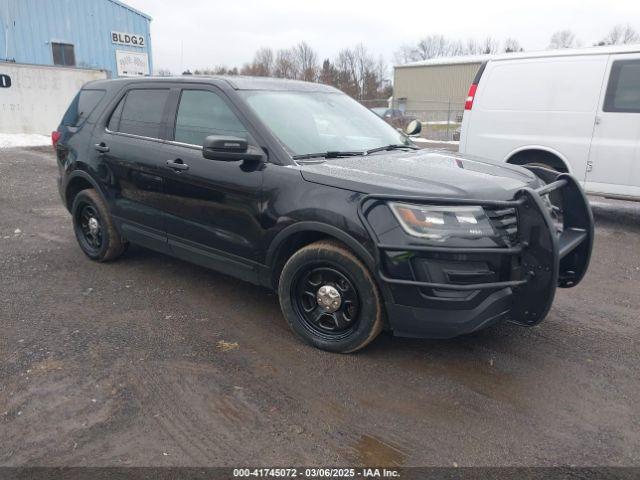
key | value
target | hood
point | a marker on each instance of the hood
(423, 172)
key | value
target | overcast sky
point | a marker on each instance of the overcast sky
(227, 32)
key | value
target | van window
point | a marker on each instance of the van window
(81, 107)
(142, 112)
(543, 85)
(202, 113)
(623, 90)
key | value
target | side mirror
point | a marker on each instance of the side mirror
(413, 128)
(230, 149)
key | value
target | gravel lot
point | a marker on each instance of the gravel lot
(153, 361)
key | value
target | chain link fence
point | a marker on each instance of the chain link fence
(441, 119)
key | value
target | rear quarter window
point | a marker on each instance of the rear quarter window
(543, 85)
(81, 107)
(623, 89)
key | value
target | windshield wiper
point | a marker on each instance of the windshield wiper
(353, 153)
(330, 154)
(387, 148)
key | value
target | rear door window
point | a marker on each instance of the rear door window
(141, 113)
(623, 90)
(202, 113)
(82, 106)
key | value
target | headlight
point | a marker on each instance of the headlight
(441, 222)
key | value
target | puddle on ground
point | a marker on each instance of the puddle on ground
(372, 451)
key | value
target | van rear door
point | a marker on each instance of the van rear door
(614, 159)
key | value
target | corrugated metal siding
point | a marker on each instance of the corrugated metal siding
(87, 24)
(438, 83)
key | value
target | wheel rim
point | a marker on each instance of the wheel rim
(90, 226)
(326, 301)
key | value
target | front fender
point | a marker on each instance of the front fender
(319, 227)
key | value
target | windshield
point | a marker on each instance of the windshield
(312, 122)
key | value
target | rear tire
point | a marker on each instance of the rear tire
(94, 227)
(330, 298)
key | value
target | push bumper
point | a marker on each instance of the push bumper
(540, 261)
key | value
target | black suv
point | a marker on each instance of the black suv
(296, 187)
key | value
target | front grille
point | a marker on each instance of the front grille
(505, 222)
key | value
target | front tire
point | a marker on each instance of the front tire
(330, 298)
(94, 227)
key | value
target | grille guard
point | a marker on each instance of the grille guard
(548, 260)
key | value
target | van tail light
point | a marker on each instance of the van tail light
(468, 105)
(55, 138)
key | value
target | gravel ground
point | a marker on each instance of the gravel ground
(153, 361)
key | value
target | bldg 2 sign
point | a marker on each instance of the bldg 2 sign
(5, 81)
(130, 39)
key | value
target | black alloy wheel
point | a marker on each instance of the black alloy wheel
(326, 300)
(89, 222)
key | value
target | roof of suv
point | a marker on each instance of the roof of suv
(236, 82)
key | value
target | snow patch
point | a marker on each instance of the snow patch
(442, 122)
(15, 140)
(427, 140)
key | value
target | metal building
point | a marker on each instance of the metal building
(437, 88)
(97, 34)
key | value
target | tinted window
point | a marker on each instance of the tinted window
(623, 91)
(63, 54)
(142, 112)
(202, 113)
(82, 106)
(114, 121)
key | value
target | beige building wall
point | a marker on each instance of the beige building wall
(39, 95)
(427, 87)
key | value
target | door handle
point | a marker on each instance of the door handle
(101, 147)
(177, 165)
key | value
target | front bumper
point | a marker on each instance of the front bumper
(514, 283)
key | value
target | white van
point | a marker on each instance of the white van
(570, 110)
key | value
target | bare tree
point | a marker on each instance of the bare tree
(285, 65)
(512, 45)
(431, 47)
(435, 46)
(306, 62)
(621, 35)
(405, 54)
(472, 47)
(359, 75)
(217, 70)
(346, 69)
(563, 39)
(263, 62)
(490, 45)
